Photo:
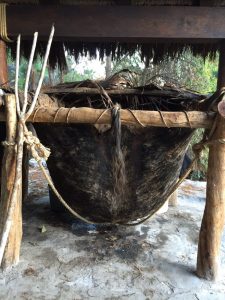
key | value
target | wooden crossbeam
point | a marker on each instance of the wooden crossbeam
(85, 115)
(117, 23)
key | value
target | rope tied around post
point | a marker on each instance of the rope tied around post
(38, 151)
(8, 144)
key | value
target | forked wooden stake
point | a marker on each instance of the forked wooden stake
(13, 196)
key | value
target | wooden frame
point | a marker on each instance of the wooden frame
(189, 24)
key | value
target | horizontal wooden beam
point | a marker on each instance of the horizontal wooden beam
(95, 91)
(117, 23)
(84, 115)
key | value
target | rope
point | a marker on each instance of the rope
(67, 117)
(3, 23)
(7, 143)
(35, 114)
(56, 114)
(136, 118)
(163, 120)
(189, 122)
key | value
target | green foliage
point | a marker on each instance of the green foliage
(72, 74)
(51, 76)
(186, 71)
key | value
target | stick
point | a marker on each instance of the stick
(17, 74)
(42, 74)
(29, 72)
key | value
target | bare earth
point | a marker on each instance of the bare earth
(64, 259)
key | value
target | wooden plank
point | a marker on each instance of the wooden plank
(12, 250)
(208, 263)
(86, 115)
(117, 23)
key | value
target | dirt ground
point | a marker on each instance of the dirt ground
(65, 259)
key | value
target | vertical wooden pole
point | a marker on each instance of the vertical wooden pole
(208, 261)
(25, 171)
(3, 80)
(173, 199)
(12, 250)
(3, 64)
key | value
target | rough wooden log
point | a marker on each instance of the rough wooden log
(3, 81)
(195, 119)
(137, 91)
(12, 250)
(3, 64)
(214, 215)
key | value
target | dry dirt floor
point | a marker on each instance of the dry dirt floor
(65, 259)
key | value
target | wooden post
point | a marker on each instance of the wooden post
(208, 261)
(3, 80)
(12, 250)
(3, 64)
(173, 201)
(25, 171)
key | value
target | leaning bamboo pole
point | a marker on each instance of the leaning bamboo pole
(85, 115)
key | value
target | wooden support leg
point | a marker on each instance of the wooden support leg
(12, 250)
(25, 171)
(214, 215)
(3, 64)
(3, 80)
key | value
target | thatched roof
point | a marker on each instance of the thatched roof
(154, 50)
